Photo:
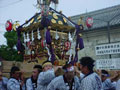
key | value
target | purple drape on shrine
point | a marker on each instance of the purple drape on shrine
(19, 43)
(48, 37)
(19, 31)
(48, 41)
(52, 54)
(45, 22)
(81, 44)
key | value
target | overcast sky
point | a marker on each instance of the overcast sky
(22, 10)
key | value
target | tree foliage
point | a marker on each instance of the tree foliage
(11, 38)
(9, 51)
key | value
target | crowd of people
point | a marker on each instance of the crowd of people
(67, 77)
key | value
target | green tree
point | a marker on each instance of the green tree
(9, 52)
(11, 38)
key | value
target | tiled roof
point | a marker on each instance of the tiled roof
(53, 17)
(100, 17)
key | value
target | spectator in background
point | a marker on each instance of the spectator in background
(16, 81)
(91, 81)
(3, 82)
(31, 83)
(68, 81)
(108, 83)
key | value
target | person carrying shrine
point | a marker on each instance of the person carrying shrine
(68, 81)
(3, 82)
(31, 83)
(16, 81)
(45, 76)
(91, 80)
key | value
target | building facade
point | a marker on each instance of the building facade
(105, 30)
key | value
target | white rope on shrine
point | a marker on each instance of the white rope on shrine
(38, 33)
(25, 40)
(70, 55)
(71, 39)
(28, 39)
(47, 46)
(56, 36)
(32, 36)
(48, 51)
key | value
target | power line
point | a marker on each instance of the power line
(10, 4)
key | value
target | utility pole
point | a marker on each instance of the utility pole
(108, 33)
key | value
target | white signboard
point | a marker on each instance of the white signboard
(107, 49)
(108, 64)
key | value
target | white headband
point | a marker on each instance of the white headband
(69, 69)
(107, 75)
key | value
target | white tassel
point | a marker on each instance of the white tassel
(72, 49)
(69, 37)
(28, 37)
(56, 36)
(70, 55)
(72, 44)
(38, 33)
(48, 51)
(32, 36)
(24, 38)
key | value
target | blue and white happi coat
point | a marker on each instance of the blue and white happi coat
(118, 85)
(59, 84)
(91, 82)
(3, 83)
(44, 79)
(30, 85)
(14, 84)
(108, 85)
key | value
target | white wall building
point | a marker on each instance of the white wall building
(98, 33)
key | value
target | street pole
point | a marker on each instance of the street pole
(108, 31)
(108, 34)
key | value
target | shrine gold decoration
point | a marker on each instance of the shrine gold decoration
(53, 21)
